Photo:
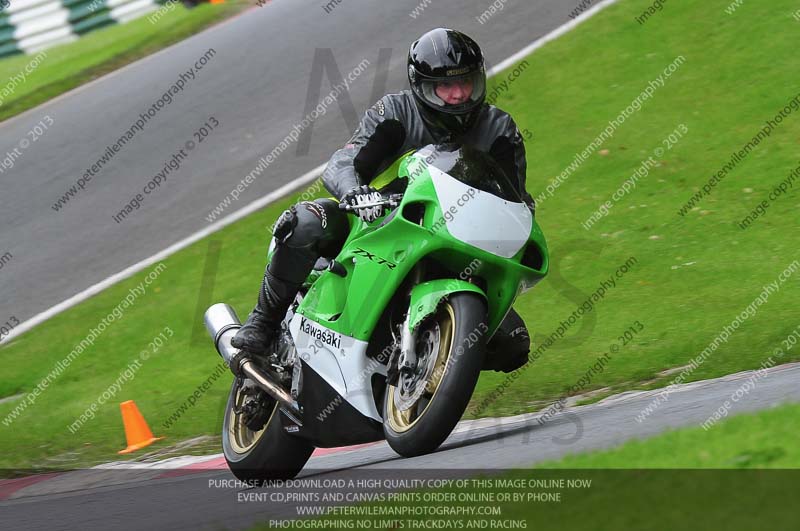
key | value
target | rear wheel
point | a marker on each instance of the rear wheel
(422, 409)
(259, 454)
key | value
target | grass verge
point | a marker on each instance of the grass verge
(693, 276)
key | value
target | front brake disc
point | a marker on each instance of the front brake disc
(411, 387)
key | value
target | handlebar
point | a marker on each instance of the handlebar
(390, 201)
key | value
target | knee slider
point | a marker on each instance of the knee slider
(301, 226)
(285, 225)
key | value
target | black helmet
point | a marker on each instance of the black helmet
(446, 55)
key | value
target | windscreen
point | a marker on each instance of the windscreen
(473, 168)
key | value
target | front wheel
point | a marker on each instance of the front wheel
(265, 453)
(423, 408)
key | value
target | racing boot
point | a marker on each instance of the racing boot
(259, 333)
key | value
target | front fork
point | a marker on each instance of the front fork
(408, 338)
(408, 355)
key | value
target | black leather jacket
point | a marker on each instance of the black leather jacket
(394, 126)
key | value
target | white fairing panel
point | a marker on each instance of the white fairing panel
(481, 219)
(340, 360)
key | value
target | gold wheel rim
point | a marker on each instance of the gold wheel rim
(241, 438)
(401, 421)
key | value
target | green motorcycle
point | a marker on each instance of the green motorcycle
(387, 339)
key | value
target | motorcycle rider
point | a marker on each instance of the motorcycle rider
(446, 104)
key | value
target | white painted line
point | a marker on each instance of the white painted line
(11, 398)
(264, 201)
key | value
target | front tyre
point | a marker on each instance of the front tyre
(266, 454)
(420, 412)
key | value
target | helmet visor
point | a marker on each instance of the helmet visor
(454, 95)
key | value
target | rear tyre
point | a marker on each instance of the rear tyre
(456, 336)
(267, 454)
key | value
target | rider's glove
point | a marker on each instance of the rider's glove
(361, 195)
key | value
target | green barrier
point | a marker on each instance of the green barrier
(92, 23)
(9, 48)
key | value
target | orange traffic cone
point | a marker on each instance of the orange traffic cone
(137, 432)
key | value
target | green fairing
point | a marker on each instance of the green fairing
(425, 297)
(378, 256)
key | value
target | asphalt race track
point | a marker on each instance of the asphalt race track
(255, 86)
(191, 502)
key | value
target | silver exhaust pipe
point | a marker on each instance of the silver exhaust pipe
(222, 324)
